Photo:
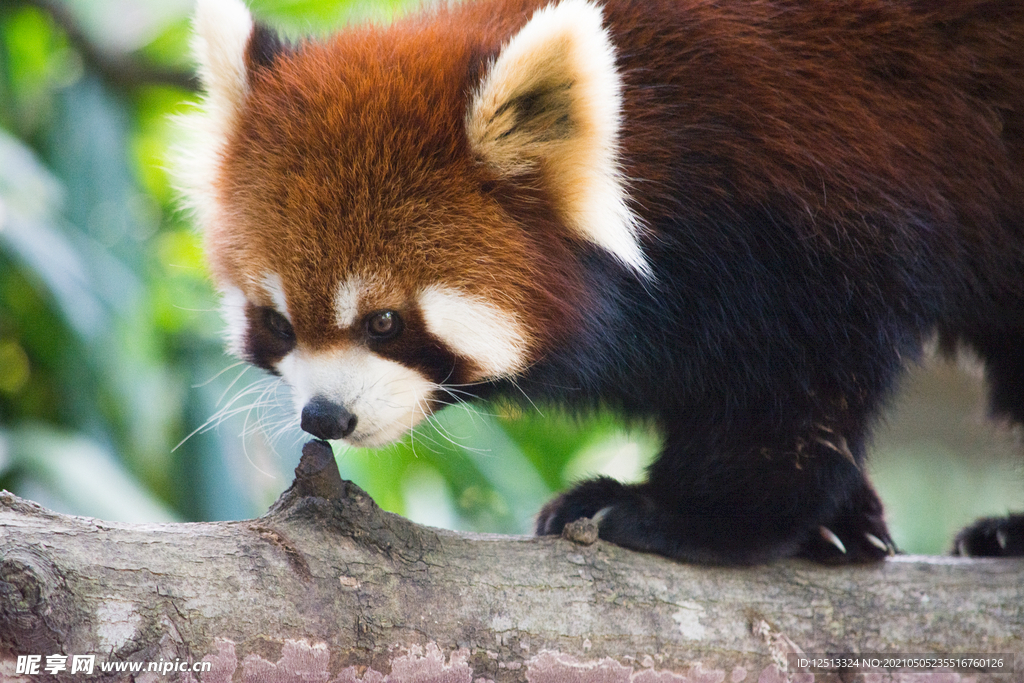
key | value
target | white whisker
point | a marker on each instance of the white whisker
(233, 382)
(226, 369)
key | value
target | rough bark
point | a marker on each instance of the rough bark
(328, 587)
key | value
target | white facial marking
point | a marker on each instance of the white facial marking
(475, 329)
(274, 288)
(346, 301)
(387, 398)
(232, 307)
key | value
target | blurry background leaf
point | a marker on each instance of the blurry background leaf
(116, 399)
(72, 474)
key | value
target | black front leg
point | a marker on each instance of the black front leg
(803, 496)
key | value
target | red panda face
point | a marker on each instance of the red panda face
(379, 209)
(366, 267)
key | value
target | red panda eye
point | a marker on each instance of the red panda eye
(278, 325)
(384, 325)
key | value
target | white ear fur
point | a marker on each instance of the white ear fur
(222, 29)
(553, 98)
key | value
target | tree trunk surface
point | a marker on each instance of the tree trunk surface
(327, 587)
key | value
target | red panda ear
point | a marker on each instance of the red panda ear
(552, 100)
(222, 32)
(263, 48)
(230, 48)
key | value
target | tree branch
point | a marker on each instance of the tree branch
(326, 586)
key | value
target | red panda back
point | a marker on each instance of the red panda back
(824, 109)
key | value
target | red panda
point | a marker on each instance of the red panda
(738, 220)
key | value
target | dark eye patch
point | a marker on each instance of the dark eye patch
(408, 342)
(278, 325)
(269, 337)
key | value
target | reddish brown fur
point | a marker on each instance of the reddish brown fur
(315, 182)
(347, 189)
(794, 99)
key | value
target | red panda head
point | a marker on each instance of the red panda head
(396, 211)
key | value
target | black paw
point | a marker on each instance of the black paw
(992, 537)
(629, 516)
(858, 534)
(634, 517)
(584, 500)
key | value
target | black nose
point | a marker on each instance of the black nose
(327, 420)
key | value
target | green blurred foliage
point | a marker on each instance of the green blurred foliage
(116, 399)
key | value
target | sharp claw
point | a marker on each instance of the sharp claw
(877, 542)
(831, 537)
